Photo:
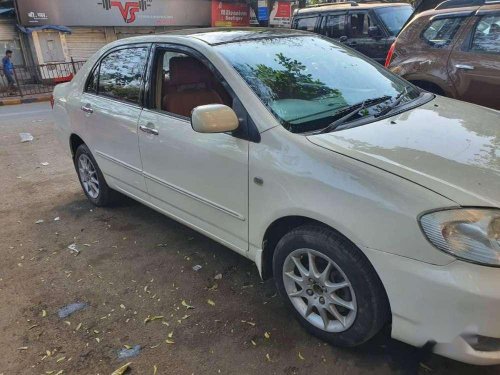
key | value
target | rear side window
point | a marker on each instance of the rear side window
(334, 26)
(487, 35)
(306, 24)
(121, 73)
(440, 32)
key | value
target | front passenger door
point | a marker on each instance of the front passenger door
(358, 36)
(199, 179)
(474, 63)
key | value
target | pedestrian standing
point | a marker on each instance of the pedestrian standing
(8, 71)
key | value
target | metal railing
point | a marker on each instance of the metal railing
(38, 79)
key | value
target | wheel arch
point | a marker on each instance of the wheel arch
(74, 141)
(429, 86)
(281, 226)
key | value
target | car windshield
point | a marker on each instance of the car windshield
(394, 17)
(307, 82)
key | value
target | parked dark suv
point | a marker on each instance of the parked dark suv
(369, 28)
(452, 50)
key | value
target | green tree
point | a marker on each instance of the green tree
(292, 81)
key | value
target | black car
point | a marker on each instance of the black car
(369, 28)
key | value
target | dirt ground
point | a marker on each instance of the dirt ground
(134, 263)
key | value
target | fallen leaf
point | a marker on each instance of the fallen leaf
(186, 305)
(170, 335)
(39, 221)
(253, 343)
(152, 318)
(60, 359)
(268, 357)
(44, 313)
(301, 357)
(155, 370)
(267, 335)
(168, 341)
(127, 346)
(122, 306)
(78, 326)
(121, 370)
(218, 276)
(210, 302)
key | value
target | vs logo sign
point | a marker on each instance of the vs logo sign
(128, 9)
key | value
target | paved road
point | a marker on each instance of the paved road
(134, 263)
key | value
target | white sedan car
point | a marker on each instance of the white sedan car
(370, 201)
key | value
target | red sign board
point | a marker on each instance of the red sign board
(231, 14)
(284, 9)
(281, 14)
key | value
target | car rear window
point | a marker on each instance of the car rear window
(306, 24)
(440, 32)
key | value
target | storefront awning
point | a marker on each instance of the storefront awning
(29, 30)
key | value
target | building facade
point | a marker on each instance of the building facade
(53, 31)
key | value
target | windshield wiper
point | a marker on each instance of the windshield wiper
(351, 111)
(397, 101)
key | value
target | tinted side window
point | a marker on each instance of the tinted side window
(440, 32)
(306, 23)
(487, 35)
(334, 26)
(121, 72)
(359, 24)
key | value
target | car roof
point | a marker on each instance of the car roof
(346, 6)
(460, 9)
(216, 36)
(465, 9)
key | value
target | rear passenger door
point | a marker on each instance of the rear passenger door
(110, 108)
(358, 37)
(334, 25)
(474, 63)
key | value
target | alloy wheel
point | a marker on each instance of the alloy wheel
(319, 290)
(88, 176)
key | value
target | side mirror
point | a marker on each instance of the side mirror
(214, 118)
(343, 39)
(374, 32)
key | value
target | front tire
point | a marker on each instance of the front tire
(91, 178)
(330, 286)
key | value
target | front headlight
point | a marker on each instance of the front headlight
(469, 234)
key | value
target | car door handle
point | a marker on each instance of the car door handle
(149, 129)
(87, 108)
(464, 66)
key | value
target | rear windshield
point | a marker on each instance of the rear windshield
(306, 80)
(394, 17)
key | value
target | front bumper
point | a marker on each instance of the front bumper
(456, 306)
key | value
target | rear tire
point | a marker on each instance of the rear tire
(346, 304)
(91, 178)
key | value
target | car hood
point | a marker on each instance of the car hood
(447, 146)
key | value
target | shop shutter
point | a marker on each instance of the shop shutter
(8, 29)
(126, 32)
(83, 42)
